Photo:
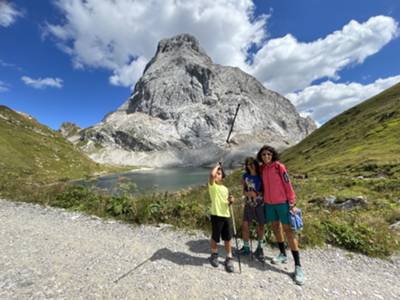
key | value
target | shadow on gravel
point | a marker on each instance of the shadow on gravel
(179, 258)
(203, 246)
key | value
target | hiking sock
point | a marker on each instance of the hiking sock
(296, 257)
(282, 248)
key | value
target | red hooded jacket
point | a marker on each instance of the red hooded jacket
(276, 184)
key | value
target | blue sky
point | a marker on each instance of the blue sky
(73, 60)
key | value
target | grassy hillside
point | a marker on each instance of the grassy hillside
(364, 140)
(31, 153)
(356, 154)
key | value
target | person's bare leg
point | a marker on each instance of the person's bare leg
(291, 238)
(245, 231)
(228, 248)
(277, 229)
(260, 231)
(214, 246)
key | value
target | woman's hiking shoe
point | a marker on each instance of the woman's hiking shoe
(214, 259)
(259, 253)
(298, 275)
(229, 264)
(244, 251)
(279, 259)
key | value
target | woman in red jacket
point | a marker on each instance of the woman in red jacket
(279, 202)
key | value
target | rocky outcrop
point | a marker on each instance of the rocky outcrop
(182, 108)
(70, 131)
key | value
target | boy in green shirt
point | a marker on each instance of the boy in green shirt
(220, 217)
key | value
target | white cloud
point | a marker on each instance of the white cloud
(287, 65)
(3, 86)
(8, 13)
(124, 75)
(8, 65)
(324, 101)
(122, 35)
(109, 34)
(42, 83)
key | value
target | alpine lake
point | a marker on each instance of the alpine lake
(149, 181)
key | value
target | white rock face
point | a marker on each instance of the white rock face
(182, 108)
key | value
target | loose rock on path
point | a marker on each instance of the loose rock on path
(53, 253)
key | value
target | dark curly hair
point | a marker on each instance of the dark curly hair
(251, 160)
(275, 155)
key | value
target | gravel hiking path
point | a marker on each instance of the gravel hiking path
(49, 253)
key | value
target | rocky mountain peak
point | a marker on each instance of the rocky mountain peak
(178, 50)
(180, 42)
(183, 106)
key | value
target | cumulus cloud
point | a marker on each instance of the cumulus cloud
(3, 86)
(8, 13)
(42, 83)
(326, 100)
(287, 65)
(123, 76)
(122, 35)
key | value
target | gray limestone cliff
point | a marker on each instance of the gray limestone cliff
(182, 108)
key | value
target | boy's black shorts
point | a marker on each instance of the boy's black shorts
(221, 227)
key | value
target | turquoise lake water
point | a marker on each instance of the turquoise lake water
(151, 181)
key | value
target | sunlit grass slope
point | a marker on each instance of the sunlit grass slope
(33, 153)
(364, 140)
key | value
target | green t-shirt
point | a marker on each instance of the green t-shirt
(219, 200)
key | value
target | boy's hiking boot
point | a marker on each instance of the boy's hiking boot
(229, 264)
(279, 259)
(214, 259)
(244, 251)
(259, 254)
(298, 275)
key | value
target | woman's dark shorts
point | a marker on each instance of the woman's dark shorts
(221, 227)
(254, 212)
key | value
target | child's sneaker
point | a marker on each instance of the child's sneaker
(229, 264)
(214, 259)
(280, 259)
(298, 275)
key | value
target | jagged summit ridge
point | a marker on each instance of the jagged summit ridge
(179, 46)
(184, 105)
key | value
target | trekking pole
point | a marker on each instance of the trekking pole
(250, 225)
(231, 207)
(251, 247)
(235, 235)
(233, 123)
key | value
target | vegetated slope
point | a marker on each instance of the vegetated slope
(33, 153)
(364, 140)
